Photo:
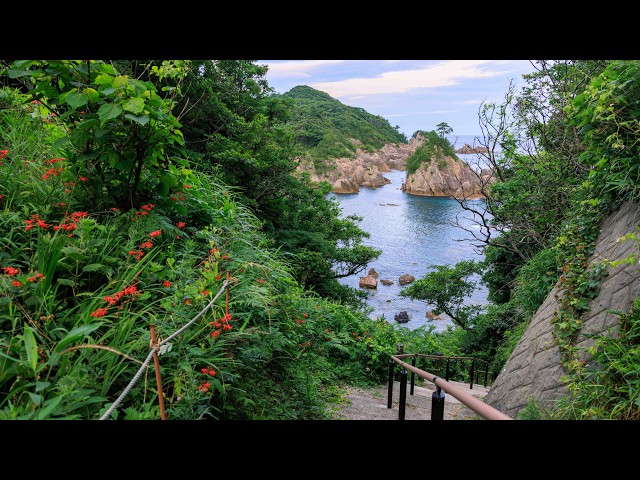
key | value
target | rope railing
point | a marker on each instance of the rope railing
(438, 397)
(155, 348)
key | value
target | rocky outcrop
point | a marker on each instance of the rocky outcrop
(406, 279)
(446, 177)
(368, 282)
(347, 175)
(467, 149)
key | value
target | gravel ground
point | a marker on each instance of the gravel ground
(371, 403)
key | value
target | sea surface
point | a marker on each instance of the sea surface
(414, 233)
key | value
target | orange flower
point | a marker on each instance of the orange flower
(11, 271)
(36, 277)
(100, 312)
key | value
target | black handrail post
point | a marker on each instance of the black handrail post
(437, 403)
(486, 375)
(390, 395)
(413, 374)
(403, 394)
(473, 363)
(446, 377)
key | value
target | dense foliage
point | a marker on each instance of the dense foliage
(113, 222)
(163, 193)
(435, 146)
(327, 129)
(564, 155)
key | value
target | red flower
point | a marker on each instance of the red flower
(305, 315)
(11, 271)
(180, 225)
(101, 312)
(166, 283)
(16, 283)
(156, 233)
(146, 245)
(3, 153)
(215, 333)
(83, 179)
(36, 277)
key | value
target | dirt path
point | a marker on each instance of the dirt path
(371, 403)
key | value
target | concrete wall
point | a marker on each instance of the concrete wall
(533, 369)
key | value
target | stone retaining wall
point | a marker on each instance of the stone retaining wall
(533, 369)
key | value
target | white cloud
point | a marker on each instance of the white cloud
(442, 74)
(297, 68)
(433, 112)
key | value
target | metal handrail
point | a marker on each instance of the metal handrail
(478, 406)
(448, 358)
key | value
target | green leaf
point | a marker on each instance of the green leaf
(31, 347)
(162, 188)
(103, 80)
(50, 405)
(77, 99)
(92, 122)
(169, 179)
(76, 334)
(92, 94)
(120, 81)
(181, 209)
(93, 267)
(16, 73)
(73, 252)
(141, 119)
(79, 137)
(134, 105)
(66, 281)
(124, 165)
(108, 111)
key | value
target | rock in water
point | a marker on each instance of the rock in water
(402, 317)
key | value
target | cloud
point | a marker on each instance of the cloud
(442, 74)
(433, 112)
(297, 68)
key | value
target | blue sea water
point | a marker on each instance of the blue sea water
(414, 233)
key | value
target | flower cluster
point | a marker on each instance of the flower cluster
(139, 253)
(3, 153)
(70, 222)
(205, 386)
(52, 171)
(112, 300)
(221, 325)
(145, 211)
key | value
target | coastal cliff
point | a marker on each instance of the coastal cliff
(442, 176)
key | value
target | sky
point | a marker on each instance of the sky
(412, 94)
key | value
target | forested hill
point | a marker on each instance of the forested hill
(326, 128)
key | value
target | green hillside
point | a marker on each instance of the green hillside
(325, 127)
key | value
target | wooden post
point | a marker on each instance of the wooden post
(156, 363)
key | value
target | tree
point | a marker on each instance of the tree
(446, 288)
(123, 137)
(443, 129)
